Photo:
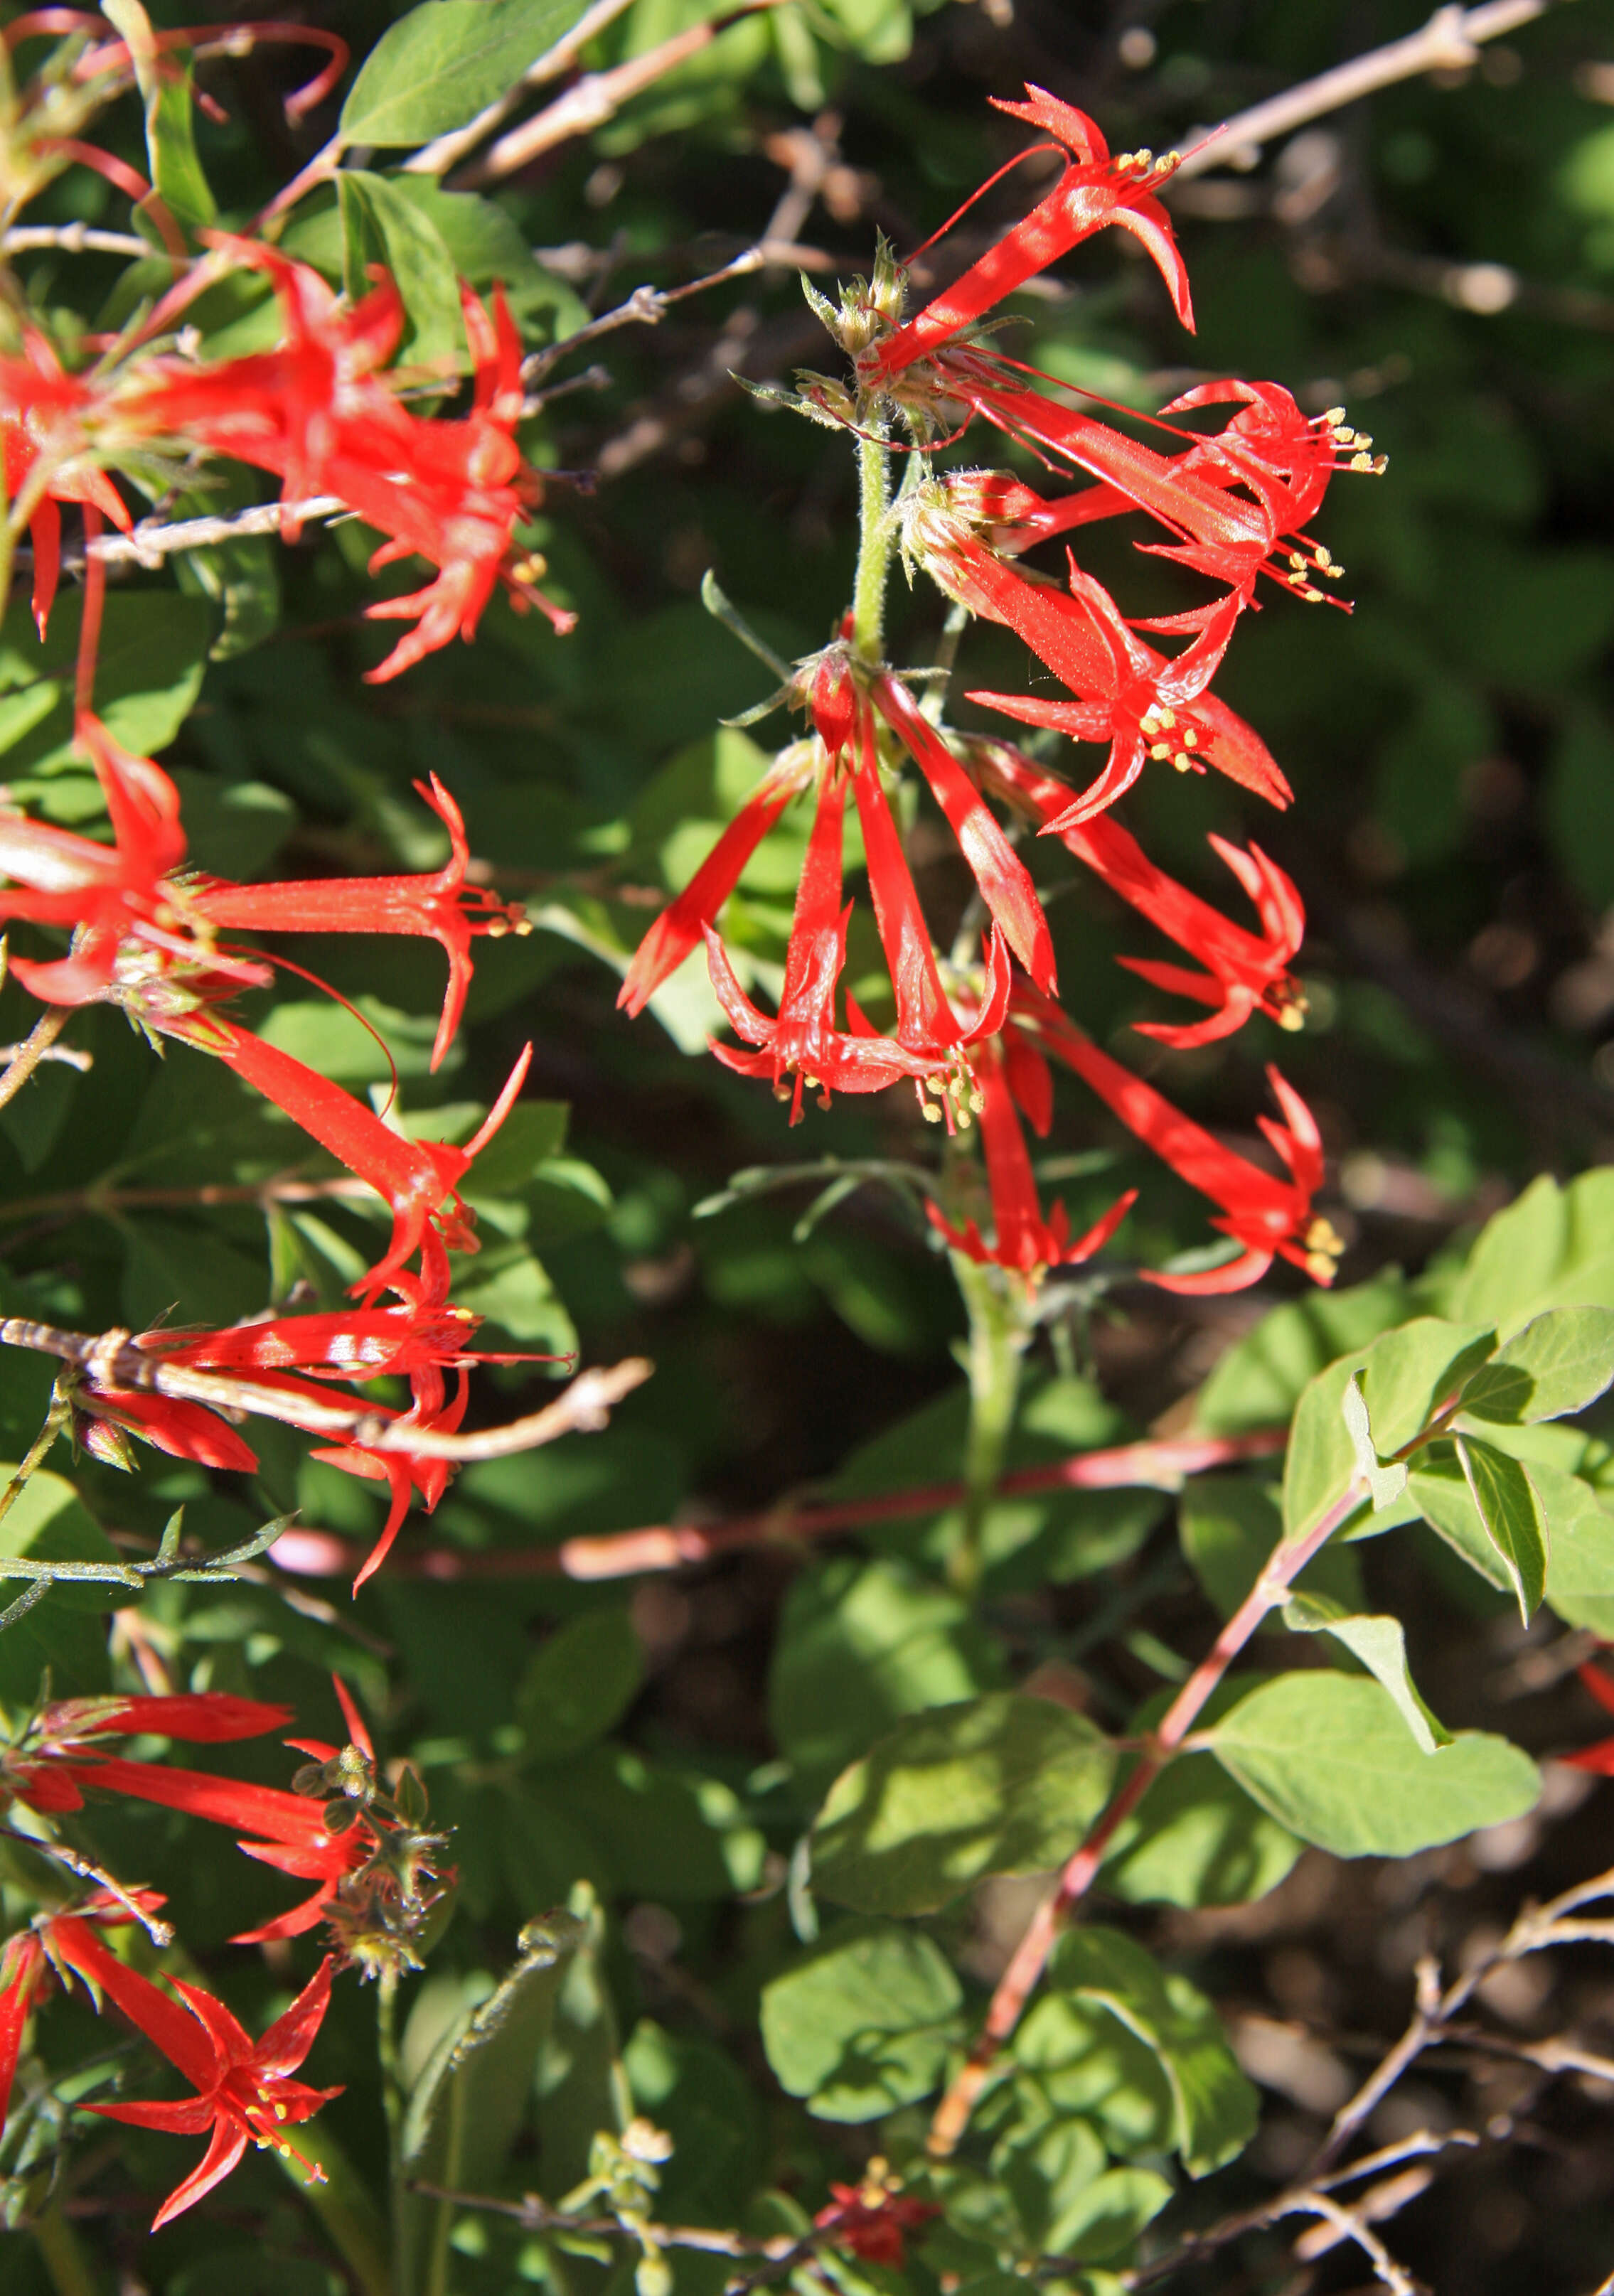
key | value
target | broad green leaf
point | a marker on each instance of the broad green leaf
(1409, 1372)
(170, 139)
(859, 1645)
(466, 2105)
(1230, 1528)
(1505, 1499)
(999, 1785)
(1258, 1383)
(1321, 1462)
(382, 224)
(1439, 1488)
(1197, 1839)
(582, 1680)
(1216, 2108)
(1552, 1248)
(1330, 1757)
(148, 672)
(1077, 2056)
(1558, 1363)
(353, 1047)
(696, 2090)
(1380, 1645)
(49, 1522)
(863, 2021)
(1385, 1484)
(442, 63)
(579, 2078)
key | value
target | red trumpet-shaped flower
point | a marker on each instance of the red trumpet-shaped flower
(245, 2093)
(418, 1179)
(25, 1965)
(871, 2220)
(1599, 1757)
(1024, 1241)
(48, 455)
(1269, 1218)
(438, 904)
(1244, 972)
(1093, 191)
(103, 1416)
(287, 1830)
(1128, 695)
(40, 1766)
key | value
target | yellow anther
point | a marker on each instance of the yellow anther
(930, 1111)
(1320, 557)
(1183, 762)
(978, 1101)
(1161, 750)
(1320, 1268)
(1363, 463)
(1168, 717)
(1332, 416)
(1191, 740)
(1298, 558)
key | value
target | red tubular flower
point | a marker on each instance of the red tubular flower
(44, 429)
(1003, 878)
(679, 928)
(24, 1966)
(288, 1830)
(419, 1178)
(102, 892)
(871, 2220)
(1130, 696)
(40, 1767)
(1025, 1242)
(184, 1429)
(1094, 190)
(440, 904)
(1245, 972)
(245, 2092)
(1598, 1758)
(1269, 1218)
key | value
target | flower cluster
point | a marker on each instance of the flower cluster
(1233, 505)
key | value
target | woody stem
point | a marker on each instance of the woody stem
(874, 548)
(997, 1340)
(32, 1050)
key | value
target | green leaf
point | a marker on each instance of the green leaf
(863, 2021)
(382, 224)
(1505, 1499)
(1330, 1757)
(1230, 1527)
(1559, 1362)
(1580, 1568)
(1408, 1374)
(170, 137)
(1552, 1248)
(1258, 1383)
(49, 1522)
(1439, 1488)
(1215, 2107)
(999, 1785)
(859, 1645)
(583, 1679)
(442, 64)
(1320, 1462)
(1380, 1645)
(1197, 1839)
(464, 2109)
(148, 674)
(1385, 1485)
(579, 2077)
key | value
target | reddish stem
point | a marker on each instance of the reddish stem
(1030, 1958)
(665, 1546)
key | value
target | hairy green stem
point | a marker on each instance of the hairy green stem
(998, 1338)
(32, 1050)
(874, 550)
(55, 1420)
(393, 2104)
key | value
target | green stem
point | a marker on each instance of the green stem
(32, 1050)
(55, 1419)
(875, 540)
(71, 2271)
(392, 2102)
(998, 1338)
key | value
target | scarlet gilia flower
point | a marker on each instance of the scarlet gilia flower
(315, 412)
(105, 1417)
(49, 457)
(39, 1767)
(1269, 1218)
(871, 2220)
(418, 1179)
(1599, 1757)
(25, 1967)
(437, 904)
(1244, 972)
(1093, 191)
(245, 2092)
(1024, 1242)
(1127, 694)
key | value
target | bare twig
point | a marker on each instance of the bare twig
(68, 1056)
(435, 159)
(1351, 2224)
(73, 238)
(1449, 42)
(668, 1547)
(595, 98)
(26, 1057)
(150, 541)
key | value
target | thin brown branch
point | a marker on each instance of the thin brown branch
(26, 1057)
(72, 239)
(670, 1546)
(435, 159)
(595, 98)
(282, 1190)
(151, 541)
(1449, 42)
